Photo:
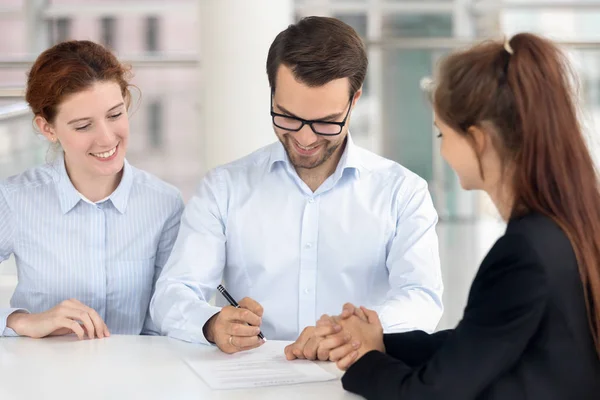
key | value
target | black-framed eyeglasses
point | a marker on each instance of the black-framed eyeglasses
(294, 124)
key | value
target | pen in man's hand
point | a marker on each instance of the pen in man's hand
(234, 303)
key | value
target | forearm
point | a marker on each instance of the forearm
(409, 310)
(416, 347)
(180, 313)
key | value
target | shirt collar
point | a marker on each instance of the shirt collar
(278, 156)
(69, 196)
(350, 158)
(120, 197)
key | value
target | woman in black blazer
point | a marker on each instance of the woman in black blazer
(531, 327)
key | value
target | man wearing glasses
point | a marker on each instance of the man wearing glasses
(306, 224)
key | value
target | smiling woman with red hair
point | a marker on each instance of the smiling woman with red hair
(90, 233)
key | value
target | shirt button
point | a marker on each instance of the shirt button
(308, 245)
(311, 200)
(307, 291)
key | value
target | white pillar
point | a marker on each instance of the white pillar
(36, 26)
(235, 36)
(467, 202)
(375, 76)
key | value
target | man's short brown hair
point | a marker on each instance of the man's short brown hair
(319, 50)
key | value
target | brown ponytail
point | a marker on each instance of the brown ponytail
(528, 96)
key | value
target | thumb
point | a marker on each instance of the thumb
(372, 316)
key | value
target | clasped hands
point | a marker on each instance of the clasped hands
(342, 339)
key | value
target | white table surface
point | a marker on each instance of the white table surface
(126, 367)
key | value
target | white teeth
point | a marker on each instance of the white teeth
(106, 154)
(306, 148)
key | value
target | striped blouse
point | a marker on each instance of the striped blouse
(107, 255)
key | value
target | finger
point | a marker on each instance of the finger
(252, 305)
(305, 336)
(372, 316)
(241, 329)
(73, 326)
(232, 314)
(360, 314)
(342, 351)
(99, 324)
(298, 352)
(326, 330)
(289, 354)
(311, 347)
(322, 354)
(326, 319)
(79, 315)
(87, 322)
(330, 343)
(245, 342)
(253, 347)
(324, 323)
(235, 344)
(347, 310)
(226, 344)
(347, 361)
(296, 349)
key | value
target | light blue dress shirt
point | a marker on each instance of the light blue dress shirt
(104, 254)
(366, 236)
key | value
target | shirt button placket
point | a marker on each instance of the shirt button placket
(308, 264)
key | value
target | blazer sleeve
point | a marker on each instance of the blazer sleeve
(416, 347)
(505, 307)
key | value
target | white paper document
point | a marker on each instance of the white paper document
(264, 366)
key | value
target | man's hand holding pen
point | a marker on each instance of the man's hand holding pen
(236, 329)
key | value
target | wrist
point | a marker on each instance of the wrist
(16, 320)
(209, 327)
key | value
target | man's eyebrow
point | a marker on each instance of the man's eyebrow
(325, 118)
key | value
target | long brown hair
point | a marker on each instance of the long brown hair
(524, 88)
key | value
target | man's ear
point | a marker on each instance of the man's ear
(356, 96)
